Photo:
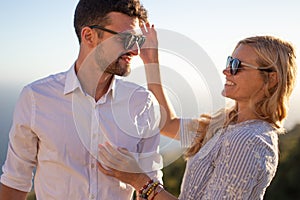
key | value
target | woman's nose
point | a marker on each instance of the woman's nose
(226, 71)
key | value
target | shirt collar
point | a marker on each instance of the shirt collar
(111, 90)
(72, 83)
(112, 87)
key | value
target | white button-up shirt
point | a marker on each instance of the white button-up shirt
(57, 128)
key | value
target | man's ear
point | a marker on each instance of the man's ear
(273, 79)
(89, 37)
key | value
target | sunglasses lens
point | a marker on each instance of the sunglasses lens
(228, 62)
(235, 63)
(141, 40)
(130, 41)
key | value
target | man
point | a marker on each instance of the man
(60, 120)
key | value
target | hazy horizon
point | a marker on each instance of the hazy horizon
(10, 93)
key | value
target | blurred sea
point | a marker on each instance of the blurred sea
(8, 98)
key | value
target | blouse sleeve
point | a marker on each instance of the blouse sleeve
(188, 128)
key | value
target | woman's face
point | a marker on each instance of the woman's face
(247, 82)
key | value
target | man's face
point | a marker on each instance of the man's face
(111, 55)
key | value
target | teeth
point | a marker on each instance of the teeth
(229, 83)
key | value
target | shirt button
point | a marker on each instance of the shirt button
(92, 165)
(92, 197)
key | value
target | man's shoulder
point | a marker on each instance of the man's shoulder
(52, 79)
(51, 84)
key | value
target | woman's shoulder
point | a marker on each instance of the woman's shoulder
(252, 132)
(252, 127)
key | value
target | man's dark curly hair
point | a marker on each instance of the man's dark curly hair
(90, 12)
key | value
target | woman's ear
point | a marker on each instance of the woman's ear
(273, 79)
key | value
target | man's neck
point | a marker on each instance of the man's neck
(103, 85)
(88, 77)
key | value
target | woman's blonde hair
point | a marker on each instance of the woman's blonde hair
(273, 53)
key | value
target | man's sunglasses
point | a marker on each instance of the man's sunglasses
(235, 64)
(128, 38)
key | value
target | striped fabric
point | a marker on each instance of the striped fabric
(239, 162)
(187, 134)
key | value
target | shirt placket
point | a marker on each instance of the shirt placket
(93, 156)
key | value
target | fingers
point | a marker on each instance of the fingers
(110, 157)
(125, 152)
(111, 150)
(104, 171)
(118, 153)
(149, 51)
(144, 27)
(105, 158)
(148, 29)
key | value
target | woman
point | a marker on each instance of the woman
(236, 155)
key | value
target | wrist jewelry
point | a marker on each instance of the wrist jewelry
(148, 188)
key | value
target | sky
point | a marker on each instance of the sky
(37, 39)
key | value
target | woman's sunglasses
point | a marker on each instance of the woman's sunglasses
(235, 64)
(128, 38)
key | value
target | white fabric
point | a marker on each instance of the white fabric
(188, 129)
(57, 128)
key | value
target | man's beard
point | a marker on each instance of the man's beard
(116, 68)
(110, 65)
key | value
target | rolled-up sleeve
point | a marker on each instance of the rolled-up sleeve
(23, 144)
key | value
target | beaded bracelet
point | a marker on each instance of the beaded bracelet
(148, 188)
(161, 188)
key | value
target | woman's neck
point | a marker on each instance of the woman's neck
(245, 113)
